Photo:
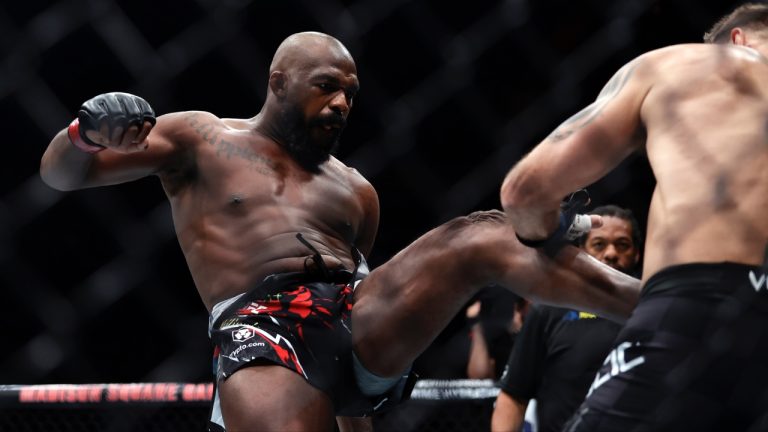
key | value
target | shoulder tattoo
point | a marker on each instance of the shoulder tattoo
(586, 116)
(228, 149)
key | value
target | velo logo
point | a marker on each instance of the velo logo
(758, 282)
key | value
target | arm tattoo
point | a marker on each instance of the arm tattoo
(206, 130)
(229, 149)
(586, 116)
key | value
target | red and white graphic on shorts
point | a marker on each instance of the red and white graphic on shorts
(300, 305)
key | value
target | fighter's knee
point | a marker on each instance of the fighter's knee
(480, 238)
(470, 250)
(473, 229)
(478, 218)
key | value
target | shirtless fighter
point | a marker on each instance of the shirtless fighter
(274, 231)
(694, 354)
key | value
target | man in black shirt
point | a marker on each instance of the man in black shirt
(558, 351)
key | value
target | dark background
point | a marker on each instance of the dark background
(93, 285)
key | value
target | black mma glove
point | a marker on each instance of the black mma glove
(572, 224)
(117, 109)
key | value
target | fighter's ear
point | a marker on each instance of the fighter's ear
(277, 83)
(738, 37)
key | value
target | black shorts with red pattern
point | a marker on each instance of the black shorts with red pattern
(294, 320)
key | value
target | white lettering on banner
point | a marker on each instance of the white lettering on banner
(757, 282)
(619, 364)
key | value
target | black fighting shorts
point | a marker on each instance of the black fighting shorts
(294, 320)
(692, 357)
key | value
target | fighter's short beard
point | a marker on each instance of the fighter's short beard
(300, 145)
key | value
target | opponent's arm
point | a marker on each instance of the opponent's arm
(580, 151)
(110, 142)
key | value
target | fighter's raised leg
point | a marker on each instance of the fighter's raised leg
(404, 304)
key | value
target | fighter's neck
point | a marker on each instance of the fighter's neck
(265, 125)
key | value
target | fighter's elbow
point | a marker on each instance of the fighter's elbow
(513, 192)
(56, 181)
(58, 185)
(507, 194)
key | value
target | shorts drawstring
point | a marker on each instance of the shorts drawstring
(316, 258)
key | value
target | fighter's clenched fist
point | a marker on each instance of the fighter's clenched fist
(119, 121)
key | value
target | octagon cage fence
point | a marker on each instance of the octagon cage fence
(93, 284)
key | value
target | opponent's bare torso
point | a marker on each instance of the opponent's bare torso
(238, 201)
(707, 122)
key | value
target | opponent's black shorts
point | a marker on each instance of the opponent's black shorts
(692, 357)
(294, 320)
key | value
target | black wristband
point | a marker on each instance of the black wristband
(561, 228)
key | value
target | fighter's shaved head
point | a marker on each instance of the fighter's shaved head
(302, 49)
(312, 82)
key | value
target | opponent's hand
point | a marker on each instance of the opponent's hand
(575, 224)
(118, 121)
(572, 224)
